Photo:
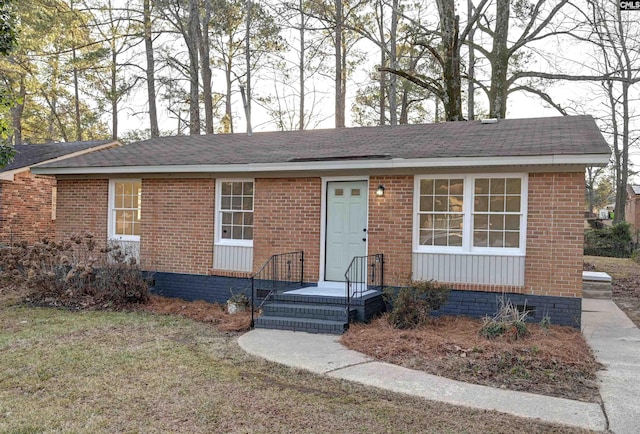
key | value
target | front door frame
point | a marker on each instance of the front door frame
(323, 224)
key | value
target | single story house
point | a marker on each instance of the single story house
(632, 207)
(491, 208)
(27, 211)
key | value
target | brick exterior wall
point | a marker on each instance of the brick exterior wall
(391, 225)
(632, 212)
(555, 234)
(82, 206)
(178, 226)
(25, 208)
(286, 219)
(176, 233)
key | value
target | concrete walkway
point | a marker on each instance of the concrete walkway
(615, 341)
(613, 337)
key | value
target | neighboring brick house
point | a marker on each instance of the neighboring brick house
(632, 207)
(491, 208)
(27, 201)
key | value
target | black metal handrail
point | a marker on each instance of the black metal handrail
(281, 272)
(364, 273)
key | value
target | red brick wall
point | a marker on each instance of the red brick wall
(82, 206)
(632, 216)
(391, 225)
(177, 225)
(286, 219)
(25, 208)
(555, 235)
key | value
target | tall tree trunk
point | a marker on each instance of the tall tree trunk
(16, 113)
(383, 61)
(301, 66)
(393, 105)
(76, 92)
(151, 83)
(114, 90)
(247, 54)
(340, 91)
(471, 69)
(449, 27)
(206, 67)
(500, 62)
(192, 46)
(404, 108)
(227, 103)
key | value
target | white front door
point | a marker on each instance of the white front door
(346, 229)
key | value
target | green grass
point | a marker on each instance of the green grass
(84, 372)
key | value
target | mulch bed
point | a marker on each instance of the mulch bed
(554, 361)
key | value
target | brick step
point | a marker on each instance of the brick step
(309, 299)
(333, 313)
(309, 325)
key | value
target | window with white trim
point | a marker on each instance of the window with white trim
(470, 213)
(125, 211)
(235, 212)
(497, 212)
(441, 212)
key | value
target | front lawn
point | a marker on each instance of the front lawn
(93, 371)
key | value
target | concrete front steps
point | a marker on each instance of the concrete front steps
(306, 313)
(596, 285)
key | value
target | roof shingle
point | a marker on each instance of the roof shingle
(28, 155)
(569, 135)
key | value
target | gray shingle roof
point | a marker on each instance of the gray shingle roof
(570, 135)
(28, 155)
(636, 189)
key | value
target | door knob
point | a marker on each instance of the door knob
(364, 239)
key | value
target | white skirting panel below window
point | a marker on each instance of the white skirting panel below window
(131, 249)
(482, 269)
(232, 258)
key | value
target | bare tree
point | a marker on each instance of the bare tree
(150, 69)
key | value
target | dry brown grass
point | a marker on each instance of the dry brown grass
(554, 362)
(625, 275)
(201, 311)
(109, 372)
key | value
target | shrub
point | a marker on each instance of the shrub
(75, 273)
(508, 321)
(616, 241)
(411, 305)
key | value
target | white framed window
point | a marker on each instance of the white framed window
(125, 209)
(471, 213)
(234, 211)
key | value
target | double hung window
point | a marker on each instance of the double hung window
(125, 212)
(235, 212)
(470, 213)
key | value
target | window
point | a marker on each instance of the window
(496, 213)
(440, 209)
(235, 212)
(470, 213)
(125, 197)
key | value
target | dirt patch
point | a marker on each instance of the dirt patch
(555, 362)
(201, 311)
(625, 284)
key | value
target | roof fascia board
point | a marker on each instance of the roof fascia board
(585, 159)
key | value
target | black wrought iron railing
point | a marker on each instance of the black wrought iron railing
(281, 272)
(365, 273)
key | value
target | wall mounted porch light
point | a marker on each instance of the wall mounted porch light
(380, 190)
